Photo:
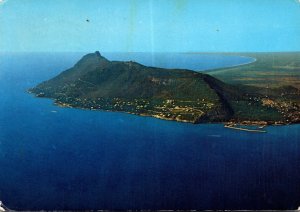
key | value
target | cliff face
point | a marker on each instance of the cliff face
(175, 94)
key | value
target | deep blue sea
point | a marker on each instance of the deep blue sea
(63, 158)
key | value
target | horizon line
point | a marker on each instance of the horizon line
(181, 52)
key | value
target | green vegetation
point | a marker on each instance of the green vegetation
(270, 70)
(173, 94)
(244, 110)
(274, 78)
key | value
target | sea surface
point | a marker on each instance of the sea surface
(62, 158)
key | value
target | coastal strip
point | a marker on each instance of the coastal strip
(224, 54)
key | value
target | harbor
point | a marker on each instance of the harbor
(235, 127)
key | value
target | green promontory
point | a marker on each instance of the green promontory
(173, 94)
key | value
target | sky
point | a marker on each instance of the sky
(150, 25)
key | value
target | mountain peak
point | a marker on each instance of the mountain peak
(95, 55)
(90, 62)
(98, 53)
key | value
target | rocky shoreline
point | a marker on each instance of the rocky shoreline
(231, 124)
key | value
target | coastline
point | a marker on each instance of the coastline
(254, 60)
(224, 54)
(227, 124)
(231, 124)
(64, 105)
(233, 66)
